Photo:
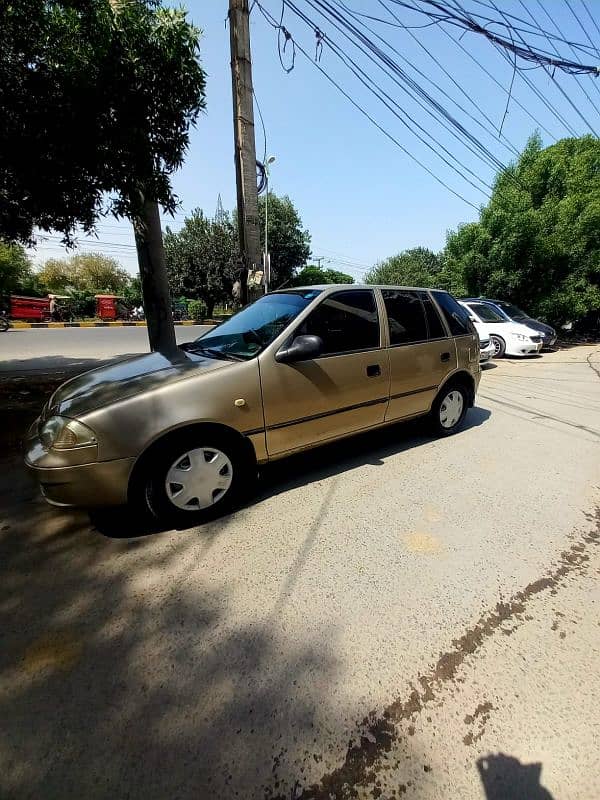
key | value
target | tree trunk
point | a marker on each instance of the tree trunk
(153, 274)
(210, 307)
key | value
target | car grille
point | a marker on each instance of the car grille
(536, 339)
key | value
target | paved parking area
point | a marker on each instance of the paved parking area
(393, 616)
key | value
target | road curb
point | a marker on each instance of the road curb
(119, 324)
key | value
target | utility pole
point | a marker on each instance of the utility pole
(245, 149)
(318, 260)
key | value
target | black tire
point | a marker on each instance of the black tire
(499, 345)
(437, 412)
(3, 324)
(148, 491)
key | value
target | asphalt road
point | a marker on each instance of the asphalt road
(392, 617)
(49, 350)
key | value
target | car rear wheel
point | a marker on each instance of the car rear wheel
(449, 409)
(499, 346)
(191, 480)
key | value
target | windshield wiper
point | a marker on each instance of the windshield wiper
(194, 348)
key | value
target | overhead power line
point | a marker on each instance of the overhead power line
(461, 19)
(277, 26)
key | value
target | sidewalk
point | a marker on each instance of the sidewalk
(116, 324)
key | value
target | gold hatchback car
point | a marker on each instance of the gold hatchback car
(181, 435)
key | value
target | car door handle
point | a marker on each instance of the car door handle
(445, 357)
(373, 371)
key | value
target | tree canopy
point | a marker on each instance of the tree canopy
(15, 268)
(96, 101)
(202, 259)
(87, 272)
(312, 275)
(416, 267)
(537, 242)
(289, 242)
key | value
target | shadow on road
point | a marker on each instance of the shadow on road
(300, 470)
(505, 778)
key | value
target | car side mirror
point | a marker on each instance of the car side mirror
(303, 348)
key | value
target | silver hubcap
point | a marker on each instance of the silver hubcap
(199, 478)
(497, 346)
(451, 409)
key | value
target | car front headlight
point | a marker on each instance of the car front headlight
(61, 433)
(521, 337)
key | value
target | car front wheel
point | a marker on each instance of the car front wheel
(499, 346)
(190, 481)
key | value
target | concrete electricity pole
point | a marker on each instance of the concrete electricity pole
(245, 149)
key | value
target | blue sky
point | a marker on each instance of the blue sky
(359, 195)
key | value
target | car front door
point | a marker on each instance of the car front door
(421, 352)
(345, 389)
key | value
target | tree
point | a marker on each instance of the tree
(537, 242)
(416, 267)
(289, 242)
(15, 268)
(89, 272)
(96, 101)
(202, 259)
(312, 275)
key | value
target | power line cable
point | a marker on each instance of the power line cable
(537, 31)
(551, 19)
(581, 86)
(264, 130)
(273, 22)
(381, 94)
(465, 21)
(492, 77)
(583, 28)
(506, 144)
(556, 83)
(589, 13)
(531, 85)
(352, 33)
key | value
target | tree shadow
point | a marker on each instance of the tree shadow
(506, 778)
(126, 671)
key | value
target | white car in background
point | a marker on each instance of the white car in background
(486, 346)
(506, 337)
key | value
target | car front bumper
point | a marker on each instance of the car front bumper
(100, 483)
(523, 348)
(485, 353)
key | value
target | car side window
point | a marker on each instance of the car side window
(406, 316)
(345, 321)
(434, 322)
(455, 315)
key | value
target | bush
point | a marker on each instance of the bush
(196, 309)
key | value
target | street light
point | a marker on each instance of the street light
(267, 275)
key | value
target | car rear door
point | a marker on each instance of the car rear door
(421, 351)
(344, 390)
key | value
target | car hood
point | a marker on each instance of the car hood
(120, 381)
(523, 328)
(541, 327)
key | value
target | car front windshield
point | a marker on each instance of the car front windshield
(249, 331)
(512, 311)
(486, 313)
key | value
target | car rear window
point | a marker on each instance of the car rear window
(456, 316)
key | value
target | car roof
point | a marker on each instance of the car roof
(351, 286)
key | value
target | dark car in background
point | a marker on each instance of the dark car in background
(515, 314)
